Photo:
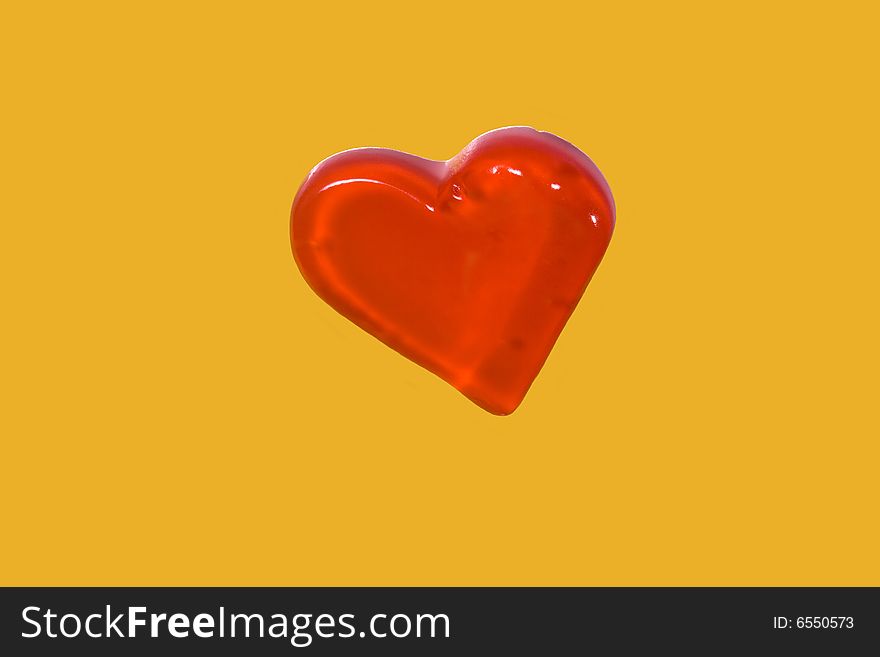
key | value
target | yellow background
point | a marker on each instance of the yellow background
(179, 408)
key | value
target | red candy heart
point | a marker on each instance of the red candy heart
(469, 267)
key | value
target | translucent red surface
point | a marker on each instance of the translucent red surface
(469, 267)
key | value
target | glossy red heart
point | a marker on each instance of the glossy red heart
(469, 267)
